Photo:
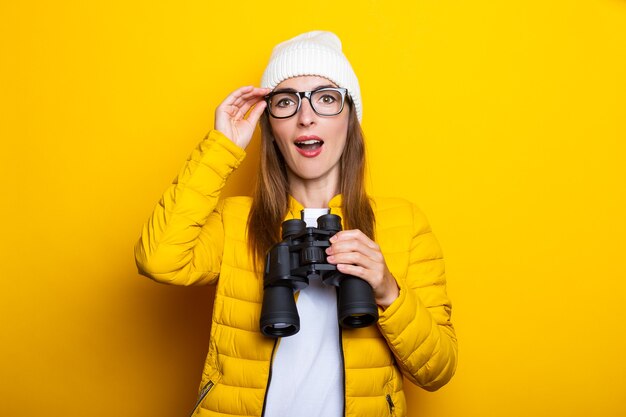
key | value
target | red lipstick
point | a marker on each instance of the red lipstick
(309, 146)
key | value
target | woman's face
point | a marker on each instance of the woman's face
(311, 144)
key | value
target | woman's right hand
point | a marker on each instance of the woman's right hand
(230, 114)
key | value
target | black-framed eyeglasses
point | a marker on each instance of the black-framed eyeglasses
(325, 101)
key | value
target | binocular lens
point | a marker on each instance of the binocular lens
(329, 222)
(279, 316)
(279, 330)
(293, 227)
(356, 306)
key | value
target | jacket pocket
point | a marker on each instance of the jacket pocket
(206, 388)
(391, 405)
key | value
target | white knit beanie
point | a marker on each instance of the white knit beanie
(313, 53)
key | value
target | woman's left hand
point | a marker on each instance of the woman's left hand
(356, 254)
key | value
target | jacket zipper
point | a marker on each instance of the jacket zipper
(269, 377)
(343, 366)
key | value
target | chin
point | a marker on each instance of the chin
(309, 176)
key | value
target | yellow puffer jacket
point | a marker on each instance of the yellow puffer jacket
(193, 238)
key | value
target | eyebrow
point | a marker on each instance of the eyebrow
(293, 90)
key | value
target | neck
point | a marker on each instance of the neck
(313, 193)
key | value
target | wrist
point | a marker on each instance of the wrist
(391, 295)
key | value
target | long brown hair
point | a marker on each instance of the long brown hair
(270, 199)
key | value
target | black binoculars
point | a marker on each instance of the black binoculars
(301, 256)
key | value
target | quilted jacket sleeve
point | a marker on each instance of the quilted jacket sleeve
(182, 242)
(417, 325)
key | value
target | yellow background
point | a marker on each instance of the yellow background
(504, 121)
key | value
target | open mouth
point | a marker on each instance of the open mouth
(309, 144)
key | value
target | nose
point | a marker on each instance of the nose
(306, 115)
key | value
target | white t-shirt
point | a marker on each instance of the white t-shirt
(307, 371)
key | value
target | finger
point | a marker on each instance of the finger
(355, 271)
(354, 234)
(254, 95)
(242, 103)
(245, 106)
(233, 112)
(355, 258)
(354, 245)
(256, 112)
(232, 97)
(249, 103)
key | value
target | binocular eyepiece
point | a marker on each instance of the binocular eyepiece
(301, 256)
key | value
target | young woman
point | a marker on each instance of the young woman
(312, 158)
